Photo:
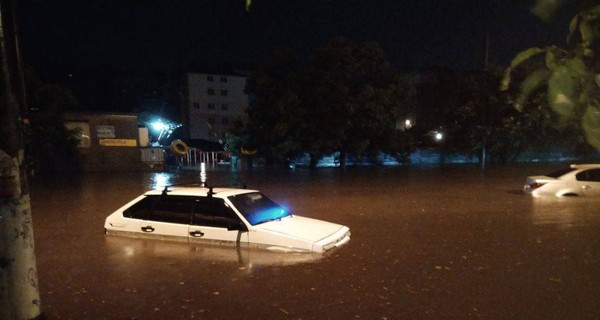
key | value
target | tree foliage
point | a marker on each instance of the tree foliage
(49, 145)
(274, 115)
(571, 76)
(345, 99)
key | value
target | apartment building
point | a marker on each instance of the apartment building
(212, 102)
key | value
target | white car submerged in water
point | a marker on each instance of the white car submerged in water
(576, 180)
(223, 216)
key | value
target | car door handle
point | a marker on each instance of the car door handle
(148, 229)
(197, 233)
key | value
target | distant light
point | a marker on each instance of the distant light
(438, 136)
(407, 124)
(159, 126)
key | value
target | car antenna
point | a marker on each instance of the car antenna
(165, 190)
(210, 192)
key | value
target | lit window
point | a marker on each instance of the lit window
(81, 130)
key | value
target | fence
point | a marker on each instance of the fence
(196, 156)
(153, 157)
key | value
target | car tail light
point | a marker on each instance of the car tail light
(536, 185)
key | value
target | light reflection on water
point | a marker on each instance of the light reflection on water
(160, 180)
(125, 250)
(206, 175)
(563, 211)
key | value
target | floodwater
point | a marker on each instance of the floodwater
(427, 243)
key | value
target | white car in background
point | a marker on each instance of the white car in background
(228, 216)
(576, 180)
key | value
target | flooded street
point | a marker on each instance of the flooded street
(427, 243)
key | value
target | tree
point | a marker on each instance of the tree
(344, 100)
(19, 294)
(50, 146)
(571, 76)
(354, 105)
(274, 112)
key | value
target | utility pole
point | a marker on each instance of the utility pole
(19, 293)
(485, 69)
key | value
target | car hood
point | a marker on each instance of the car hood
(300, 227)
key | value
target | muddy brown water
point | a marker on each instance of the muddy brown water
(427, 243)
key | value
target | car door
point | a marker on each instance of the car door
(169, 218)
(214, 221)
(589, 181)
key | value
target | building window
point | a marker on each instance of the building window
(211, 92)
(224, 121)
(82, 134)
(211, 106)
(196, 105)
(211, 120)
(224, 106)
(223, 79)
(209, 78)
(224, 92)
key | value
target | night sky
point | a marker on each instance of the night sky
(171, 35)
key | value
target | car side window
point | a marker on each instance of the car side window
(141, 209)
(589, 175)
(213, 212)
(173, 209)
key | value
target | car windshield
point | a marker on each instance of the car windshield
(559, 173)
(257, 208)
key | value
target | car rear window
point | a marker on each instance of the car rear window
(560, 172)
(140, 210)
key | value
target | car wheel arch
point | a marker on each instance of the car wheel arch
(569, 194)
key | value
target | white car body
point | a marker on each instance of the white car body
(227, 216)
(577, 180)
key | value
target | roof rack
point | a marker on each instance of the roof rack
(210, 188)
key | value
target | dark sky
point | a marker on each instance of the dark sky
(143, 35)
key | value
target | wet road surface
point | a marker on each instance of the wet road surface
(427, 243)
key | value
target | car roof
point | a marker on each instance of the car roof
(585, 166)
(200, 191)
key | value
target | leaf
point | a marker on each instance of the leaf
(561, 91)
(532, 82)
(545, 9)
(591, 126)
(525, 55)
(551, 60)
(573, 24)
(505, 79)
(575, 67)
(587, 33)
